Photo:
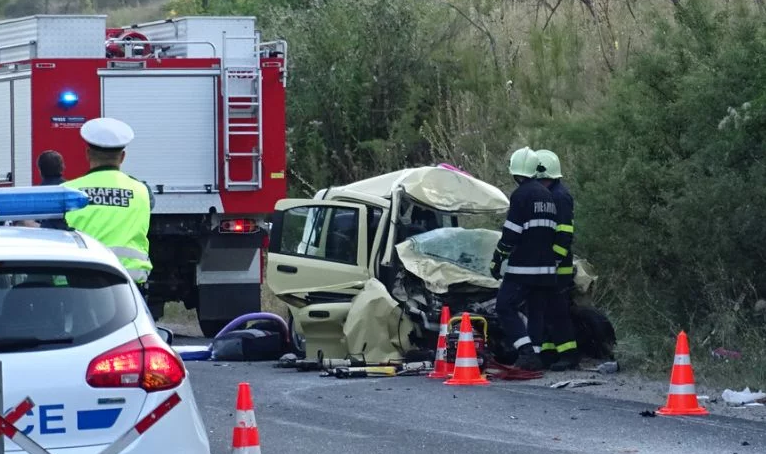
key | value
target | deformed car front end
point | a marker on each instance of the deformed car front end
(365, 268)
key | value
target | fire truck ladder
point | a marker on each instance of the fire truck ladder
(241, 90)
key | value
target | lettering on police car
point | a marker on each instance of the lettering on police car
(545, 207)
(112, 197)
(51, 421)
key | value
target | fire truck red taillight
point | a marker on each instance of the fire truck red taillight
(238, 226)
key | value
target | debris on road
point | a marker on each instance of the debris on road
(744, 397)
(648, 414)
(722, 353)
(577, 383)
(609, 367)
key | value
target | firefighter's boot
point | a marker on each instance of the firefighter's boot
(567, 361)
(528, 359)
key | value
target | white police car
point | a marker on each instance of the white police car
(78, 339)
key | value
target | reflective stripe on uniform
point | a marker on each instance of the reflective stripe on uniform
(536, 349)
(529, 224)
(548, 346)
(531, 270)
(568, 228)
(565, 270)
(511, 226)
(129, 253)
(139, 276)
(522, 341)
(560, 250)
(540, 223)
(682, 389)
(566, 346)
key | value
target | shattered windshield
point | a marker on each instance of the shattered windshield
(467, 248)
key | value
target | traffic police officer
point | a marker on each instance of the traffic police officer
(559, 327)
(527, 244)
(120, 206)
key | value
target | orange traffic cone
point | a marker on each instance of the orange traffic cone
(682, 396)
(466, 365)
(246, 438)
(442, 369)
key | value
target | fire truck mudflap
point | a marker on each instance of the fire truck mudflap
(206, 98)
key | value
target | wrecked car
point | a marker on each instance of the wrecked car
(365, 268)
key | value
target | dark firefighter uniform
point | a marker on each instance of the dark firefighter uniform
(527, 239)
(560, 333)
(120, 206)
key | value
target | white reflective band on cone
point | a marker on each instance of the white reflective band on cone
(682, 360)
(466, 362)
(682, 389)
(466, 337)
(246, 418)
(441, 353)
(443, 330)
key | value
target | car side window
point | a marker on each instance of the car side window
(322, 232)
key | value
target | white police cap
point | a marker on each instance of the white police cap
(107, 133)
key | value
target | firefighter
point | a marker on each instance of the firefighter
(560, 329)
(527, 245)
(120, 206)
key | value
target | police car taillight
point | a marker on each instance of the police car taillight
(145, 363)
(39, 202)
(238, 226)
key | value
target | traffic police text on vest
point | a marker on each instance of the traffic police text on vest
(120, 206)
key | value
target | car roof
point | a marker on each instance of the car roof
(29, 243)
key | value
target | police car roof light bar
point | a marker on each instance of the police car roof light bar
(39, 202)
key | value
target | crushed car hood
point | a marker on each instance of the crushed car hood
(437, 187)
(454, 255)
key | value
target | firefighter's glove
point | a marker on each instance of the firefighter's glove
(501, 254)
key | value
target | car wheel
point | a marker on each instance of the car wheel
(210, 328)
(595, 333)
(157, 311)
(297, 341)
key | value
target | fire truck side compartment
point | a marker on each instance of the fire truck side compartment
(175, 104)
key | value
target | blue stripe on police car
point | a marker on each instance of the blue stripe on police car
(52, 418)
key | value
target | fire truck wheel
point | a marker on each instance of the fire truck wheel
(210, 328)
(595, 333)
(157, 310)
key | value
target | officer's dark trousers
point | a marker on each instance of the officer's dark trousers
(509, 301)
(558, 321)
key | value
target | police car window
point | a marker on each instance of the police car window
(72, 305)
(329, 233)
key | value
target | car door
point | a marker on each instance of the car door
(317, 251)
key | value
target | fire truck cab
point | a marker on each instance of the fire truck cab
(206, 99)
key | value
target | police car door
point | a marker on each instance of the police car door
(317, 251)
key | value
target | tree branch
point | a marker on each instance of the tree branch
(553, 11)
(484, 30)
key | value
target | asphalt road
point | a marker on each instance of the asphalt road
(300, 412)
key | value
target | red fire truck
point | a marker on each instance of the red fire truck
(206, 99)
